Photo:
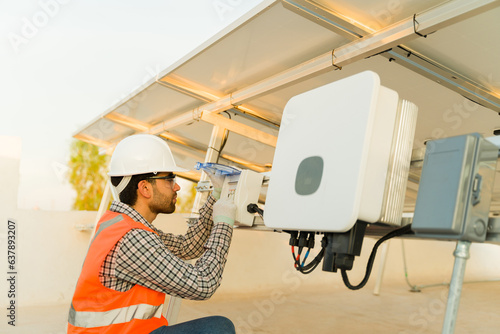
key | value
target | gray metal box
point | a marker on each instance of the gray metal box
(454, 194)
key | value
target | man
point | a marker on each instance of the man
(131, 265)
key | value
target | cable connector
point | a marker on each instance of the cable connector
(303, 239)
(310, 240)
(324, 242)
(254, 208)
(294, 241)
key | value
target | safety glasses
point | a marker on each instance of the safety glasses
(172, 179)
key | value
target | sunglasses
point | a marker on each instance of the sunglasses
(171, 178)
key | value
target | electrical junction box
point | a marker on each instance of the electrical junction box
(244, 189)
(456, 185)
(343, 155)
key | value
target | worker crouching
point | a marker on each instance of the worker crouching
(131, 265)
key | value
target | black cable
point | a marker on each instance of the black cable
(293, 254)
(307, 241)
(253, 208)
(311, 266)
(369, 266)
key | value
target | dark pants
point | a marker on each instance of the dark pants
(208, 325)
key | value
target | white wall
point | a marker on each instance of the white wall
(51, 250)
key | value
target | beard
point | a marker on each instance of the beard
(162, 203)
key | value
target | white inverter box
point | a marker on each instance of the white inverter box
(343, 154)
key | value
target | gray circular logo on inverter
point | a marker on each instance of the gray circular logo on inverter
(309, 175)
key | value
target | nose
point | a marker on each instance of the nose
(177, 187)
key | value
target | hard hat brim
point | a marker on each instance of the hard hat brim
(138, 172)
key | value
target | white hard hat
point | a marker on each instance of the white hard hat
(141, 154)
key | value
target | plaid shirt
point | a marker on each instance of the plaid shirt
(156, 261)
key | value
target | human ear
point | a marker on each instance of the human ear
(145, 189)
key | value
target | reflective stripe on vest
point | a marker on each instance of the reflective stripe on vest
(106, 224)
(97, 309)
(113, 317)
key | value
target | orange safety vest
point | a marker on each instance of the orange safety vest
(97, 309)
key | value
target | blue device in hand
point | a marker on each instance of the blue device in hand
(217, 169)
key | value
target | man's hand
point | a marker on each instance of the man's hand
(217, 182)
(224, 211)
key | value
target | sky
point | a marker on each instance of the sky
(65, 62)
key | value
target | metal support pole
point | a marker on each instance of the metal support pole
(461, 256)
(171, 311)
(211, 156)
(381, 268)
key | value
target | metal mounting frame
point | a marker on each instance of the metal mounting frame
(387, 38)
(428, 22)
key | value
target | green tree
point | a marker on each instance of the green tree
(87, 174)
(186, 196)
